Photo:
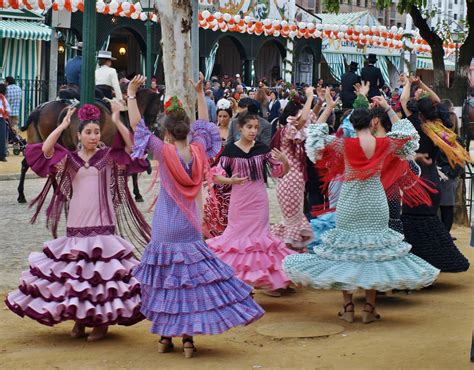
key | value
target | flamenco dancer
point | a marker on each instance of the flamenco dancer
(362, 252)
(186, 289)
(247, 244)
(294, 229)
(216, 206)
(84, 276)
(422, 227)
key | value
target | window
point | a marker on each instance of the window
(311, 4)
(455, 16)
(456, 2)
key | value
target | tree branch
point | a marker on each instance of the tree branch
(466, 51)
(434, 41)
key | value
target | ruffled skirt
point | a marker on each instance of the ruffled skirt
(186, 290)
(320, 225)
(216, 209)
(432, 242)
(351, 261)
(87, 280)
(257, 260)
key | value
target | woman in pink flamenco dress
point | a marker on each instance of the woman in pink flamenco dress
(84, 276)
(247, 244)
(294, 229)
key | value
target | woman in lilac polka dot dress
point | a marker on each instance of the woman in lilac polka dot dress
(186, 289)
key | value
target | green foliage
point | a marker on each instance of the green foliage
(333, 6)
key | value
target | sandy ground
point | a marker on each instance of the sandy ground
(429, 329)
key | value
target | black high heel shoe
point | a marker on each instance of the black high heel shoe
(188, 351)
(165, 345)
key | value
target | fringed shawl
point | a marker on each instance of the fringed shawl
(61, 170)
(253, 165)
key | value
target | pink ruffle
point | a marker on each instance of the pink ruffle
(116, 311)
(100, 247)
(257, 262)
(98, 270)
(58, 291)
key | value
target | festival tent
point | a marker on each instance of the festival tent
(21, 35)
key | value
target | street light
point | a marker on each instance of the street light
(147, 7)
(456, 37)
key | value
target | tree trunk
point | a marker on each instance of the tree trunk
(466, 51)
(175, 19)
(460, 209)
(436, 44)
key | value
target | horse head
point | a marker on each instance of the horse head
(149, 104)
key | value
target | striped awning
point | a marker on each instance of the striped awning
(10, 29)
(427, 63)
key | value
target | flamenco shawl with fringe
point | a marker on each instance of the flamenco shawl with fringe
(129, 219)
(446, 140)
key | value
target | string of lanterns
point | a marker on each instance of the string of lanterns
(377, 36)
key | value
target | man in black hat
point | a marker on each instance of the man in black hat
(373, 75)
(264, 133)
(348, 80)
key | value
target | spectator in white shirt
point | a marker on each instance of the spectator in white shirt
(106, 78)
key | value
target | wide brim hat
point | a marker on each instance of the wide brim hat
(78, 46)
(372, 58)
(105, 54)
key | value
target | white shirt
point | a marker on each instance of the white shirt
(106, 75)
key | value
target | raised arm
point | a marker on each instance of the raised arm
(320, 101)
(134, 115)
(405, 97)
(433, 96)
(330, 105)
(306, 108)
(52, 139)
(203, 113)
(121, 127)
(381, 102)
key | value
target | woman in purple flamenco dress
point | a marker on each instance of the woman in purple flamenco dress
(84, 276)
(186, 289)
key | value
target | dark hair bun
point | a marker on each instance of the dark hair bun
(360, 118)
(178, 125)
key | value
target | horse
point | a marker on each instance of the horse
(468, 121)
(45, 118)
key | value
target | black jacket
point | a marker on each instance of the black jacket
(373, 75)
(348, 80)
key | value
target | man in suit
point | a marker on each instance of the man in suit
(373, 75)
(348, 80)
(264, 133)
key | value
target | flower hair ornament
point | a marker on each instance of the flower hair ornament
(89, 113)
(294, 97)
(173, 105)
(223, 104)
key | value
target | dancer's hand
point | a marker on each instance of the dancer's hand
(67, 118)
(279, 155)
(362, 88)
(116, 108)
(381, 102)
(309, 92)
(135, 84)
(330, 102)
(198, 86)
(236, 180)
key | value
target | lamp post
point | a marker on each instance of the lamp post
(456, 38)
(89, 31)
(147, 7)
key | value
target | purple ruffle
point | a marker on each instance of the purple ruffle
(70, 281)
(207, 134)
(208, 322)
(41, 165)
(140, 140)
(186, 289)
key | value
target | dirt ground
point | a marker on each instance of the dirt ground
(429, 329)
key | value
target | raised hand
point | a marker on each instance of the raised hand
(133, 86)
(362, 88)
(67, 118)
(116, 107)
(199, 85)
(330, 103)
(279, 155)
(309, 92)
(380, 102)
